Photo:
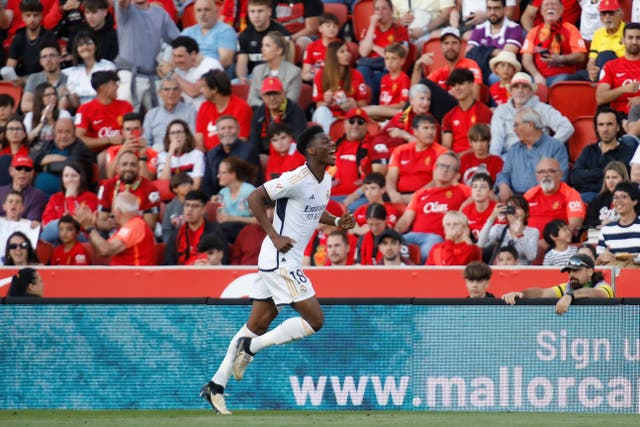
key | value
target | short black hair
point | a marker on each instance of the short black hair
(49, 43)
(21, 281)
(102, 77)
(459, 76)
(306, 136)
(551, 230)
(210, 241)
(376, 211)
(418, 119)
(277, 129)
(197, 195)
(375, 178)
(632, 190)
(630, 26)
(187, 42)
(509, 249)
(94, 5)
(482, 176)
(218, 80)
(132, 116)
(31, 6)
(68, 219)
(7, 100)
(178, 179)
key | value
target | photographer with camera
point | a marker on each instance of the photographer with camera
(514, 232)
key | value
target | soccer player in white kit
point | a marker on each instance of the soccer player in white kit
(301, 197)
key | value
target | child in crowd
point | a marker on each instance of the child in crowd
(367, 246)
(180, 184)
(479, 159)
(394, 86)
(558, 236)
(210, 251)
(373, 187)
(482, 206)
(457, 248)
(13, 221)
(476, 277)
(71, 251)
(507, 255)
(504, 65)
(313, 59)
(283, 156)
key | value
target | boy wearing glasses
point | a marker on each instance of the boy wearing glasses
(583, 283)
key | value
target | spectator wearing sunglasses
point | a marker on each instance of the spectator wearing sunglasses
(22, 173)
(583, 282)
(13, 205)
(19, 250)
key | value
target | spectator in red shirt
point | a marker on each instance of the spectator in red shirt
(128, 180)
(553, 199)
(479, 158)
(366, 251)
(219, 101)
(451, 44)
(75, 192)
(373, 187)
(133, 243)
(338, 87)
(411, 165)
(313, 59)
(553, 49)
(99, 122)
(283, 155)
(530, 17)
(457, 248)
(468, 112)
(16, 141)
(620, 78)
(210, 250)
(70, 251)
(422, 219)
(382, 31)
(504, 65)
(133, 141)
(479, 211)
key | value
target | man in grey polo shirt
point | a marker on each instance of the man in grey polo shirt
(50, 61)
(171, 108)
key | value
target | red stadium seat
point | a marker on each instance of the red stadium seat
(241, 90)
(583, 135)
(573, 99)
(626, 9)
(338, 9)
(189, 16)
(353, 49)
(414, 253)
(94, 257)
(14, 90)
(306, 97)
(362, 11)
(542, 92)
(160, 248)
(44, 250)
(211, 211)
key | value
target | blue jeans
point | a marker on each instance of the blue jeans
(372, 78)
(425, 241)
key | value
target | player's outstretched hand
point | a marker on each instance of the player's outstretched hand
(347, 221)
(283, 243)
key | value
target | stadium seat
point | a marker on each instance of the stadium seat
(414, 253)
(95, 258)
(573, 99)
(306, 97)
(160, 248)
(189, 16)
(433, 46)
(14, 90)
(361, 16)
(353, 49)
(44, 250)
(407, 67)
(241, 90)
(542, 92)
(337, 129)
(163, 188)
(338, 9)
(583, 135)
(211, 211)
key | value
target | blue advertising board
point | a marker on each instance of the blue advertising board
(373, 357)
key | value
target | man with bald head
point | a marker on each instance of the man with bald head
(50, 158)
(553, 199)
(132, 244)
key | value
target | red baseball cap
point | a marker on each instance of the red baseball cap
(24, 161)
(358, 112)
(609, 5)
(272, 84)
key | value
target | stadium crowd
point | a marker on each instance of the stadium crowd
(132, 132)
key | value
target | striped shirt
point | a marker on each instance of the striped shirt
(559, 258)
(620, 238)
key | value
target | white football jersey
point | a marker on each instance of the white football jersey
(300, 202)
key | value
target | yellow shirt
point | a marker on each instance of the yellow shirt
(604, 41)
(560, 289)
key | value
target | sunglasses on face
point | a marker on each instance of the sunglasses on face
(358, 120)
(23, 245)
(23, 168)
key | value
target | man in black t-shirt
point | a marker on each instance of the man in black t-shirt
(300, 17)
(250, 40)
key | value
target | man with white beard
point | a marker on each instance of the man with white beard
(519, 173)
(553, 199)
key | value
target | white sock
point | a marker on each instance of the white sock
(289, 330)
(225, 369)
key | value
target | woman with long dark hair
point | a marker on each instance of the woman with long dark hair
(19, 250)
(39, 121)
(180, 154)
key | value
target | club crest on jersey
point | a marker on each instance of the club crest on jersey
(448, 194)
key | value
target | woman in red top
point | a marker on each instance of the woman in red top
(74, 193)
(338, 87)
(382, 31)
(367, 247)
(16, 142)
